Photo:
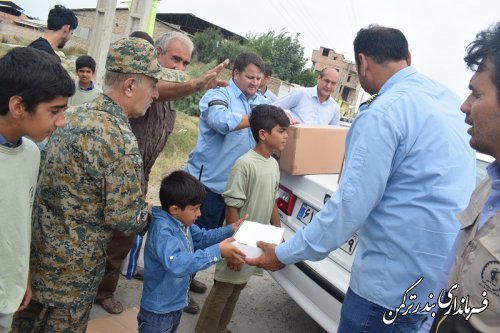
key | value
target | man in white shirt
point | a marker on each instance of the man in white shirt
(314, 105)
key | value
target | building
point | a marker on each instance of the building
(348, 87)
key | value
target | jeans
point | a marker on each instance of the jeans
(359, 315)
(212, 211)
(150, 322)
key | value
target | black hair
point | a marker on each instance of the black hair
(85, 61)
(245, 59)
(181, 189)
(486, 46)
(268, 70)
(266, 117)
(28, 72)
(381, 43)
(59, 16)
(143, 35)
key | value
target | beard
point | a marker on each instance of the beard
(61, 44)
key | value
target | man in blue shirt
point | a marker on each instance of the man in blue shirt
(314, 105)
(408, 170)
(224, 134)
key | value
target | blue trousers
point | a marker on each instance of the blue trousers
(212, 211)
(150, 322)
(359, 315)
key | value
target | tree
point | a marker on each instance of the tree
(306, 78)
(282, 51)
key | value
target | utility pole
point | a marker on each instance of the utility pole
(140, 13)
(101, 36)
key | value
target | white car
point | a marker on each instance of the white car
(319, 287)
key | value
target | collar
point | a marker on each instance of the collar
(238, 93)
(158, 211)
(91, 87)
(494, 173)
(398, 76)
(8, 144)
(314, 93)
(104, 103)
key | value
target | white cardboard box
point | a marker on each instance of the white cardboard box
(250, 233)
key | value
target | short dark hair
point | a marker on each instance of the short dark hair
(29, 73)
(59, 16)
(181, 189)
(245, 59)
(85, 61)
(381, 43)
(486, 46)
(143, 35)
(265, 117)
(268, 70)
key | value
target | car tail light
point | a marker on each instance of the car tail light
(286, 200)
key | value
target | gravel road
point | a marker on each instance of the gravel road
(263, 307)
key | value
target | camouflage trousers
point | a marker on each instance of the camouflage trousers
(40, 318)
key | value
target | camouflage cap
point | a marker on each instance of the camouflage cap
(137, 56)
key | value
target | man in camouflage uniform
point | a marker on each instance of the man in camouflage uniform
(89, 185)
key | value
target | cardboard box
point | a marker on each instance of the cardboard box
(125, 322)
(313, 149)
(250, 233)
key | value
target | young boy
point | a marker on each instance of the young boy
(34, 91)
(86, 91)
(175, 249)
(251, 189)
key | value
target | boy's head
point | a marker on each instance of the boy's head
(85, 69)
(181, 196)
(269, 123)
(62, 21)
(34, 91)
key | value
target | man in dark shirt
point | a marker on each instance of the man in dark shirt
(60, 25)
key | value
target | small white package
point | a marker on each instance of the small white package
(250, 233)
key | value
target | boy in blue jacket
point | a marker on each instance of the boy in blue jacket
(175, 249)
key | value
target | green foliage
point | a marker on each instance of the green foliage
(210, 45)
(306, 78)
(189, 104)
(281, 50)
(206, 44)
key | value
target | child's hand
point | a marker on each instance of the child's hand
(231, 252)
(234, 265)
(236, 225)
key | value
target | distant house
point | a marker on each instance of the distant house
(192, 24)
(10, 12)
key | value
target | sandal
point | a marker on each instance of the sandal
(111, 306)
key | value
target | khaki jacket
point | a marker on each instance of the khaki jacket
(477, 262)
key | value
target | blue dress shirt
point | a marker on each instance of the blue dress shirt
(305, 107)
(219, 145)
(174, 252)
(409, 169)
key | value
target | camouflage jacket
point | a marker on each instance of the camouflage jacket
(89, 185)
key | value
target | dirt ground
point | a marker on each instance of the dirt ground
(263, 307)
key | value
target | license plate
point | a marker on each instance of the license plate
(350, 245)
(306, 213)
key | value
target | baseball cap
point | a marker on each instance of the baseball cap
(137, 56)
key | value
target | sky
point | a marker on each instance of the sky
(438, 31)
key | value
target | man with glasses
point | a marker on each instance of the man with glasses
(314, 105)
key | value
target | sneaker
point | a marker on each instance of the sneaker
(197, 286)
(139, 273)
(192, 307)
